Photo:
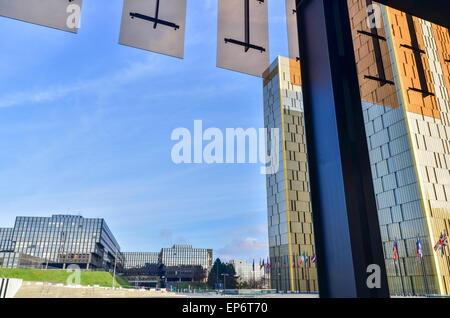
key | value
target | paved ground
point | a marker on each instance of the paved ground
(253, 296)
(48, 290)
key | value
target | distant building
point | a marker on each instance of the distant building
(180, 263)
(134, 260)
(246, 272)
(58, 241)
(179, 255)
(5, 240)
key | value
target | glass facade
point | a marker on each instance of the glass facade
(60, 240)
(176, 264)
(247, 272)
(140, 259)
(288, 200)
(5, 240)
(185, 255)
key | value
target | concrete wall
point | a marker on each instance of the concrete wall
(9, 287)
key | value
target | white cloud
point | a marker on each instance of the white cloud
(244, 248)
(104, 83)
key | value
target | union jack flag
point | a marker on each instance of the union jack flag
(441, 243)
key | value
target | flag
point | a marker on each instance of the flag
(302, 259)
(395, 251)
(419, 249)
(262, 265)
(314, 258)
(438, 245)
(445, 239)
(284, 261)
(306, 259)
(253, 264)
(441, 243)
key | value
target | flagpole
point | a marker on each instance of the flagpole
(420, 255)
(424, 274)
(278, 268)
(308, 287)
(401, 276)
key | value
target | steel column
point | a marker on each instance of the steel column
(346, 229)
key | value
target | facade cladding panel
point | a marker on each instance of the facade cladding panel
(60, 240)
(288, 200)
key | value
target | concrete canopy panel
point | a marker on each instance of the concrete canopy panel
(154, 25)
(291, 20)
(243, 36)
(58, 14)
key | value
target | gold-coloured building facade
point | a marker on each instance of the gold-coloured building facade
(403, 65)
(288, 200)
(403, 69)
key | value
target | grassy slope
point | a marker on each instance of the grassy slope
(103, 279)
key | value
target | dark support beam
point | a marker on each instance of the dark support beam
(346, 228)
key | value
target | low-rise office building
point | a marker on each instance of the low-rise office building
(179, 263)
(57, 241)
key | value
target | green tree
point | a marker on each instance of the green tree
(215, 275)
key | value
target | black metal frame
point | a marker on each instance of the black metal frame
(156, 20)
(346, 228)
(246, 44)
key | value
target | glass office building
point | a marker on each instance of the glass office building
(248, 272)
(57, 241)
(180, 263)
(185, 255)
(404, 78)
(177, 255)
(5, 240)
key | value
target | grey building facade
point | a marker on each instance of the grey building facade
(179, 263)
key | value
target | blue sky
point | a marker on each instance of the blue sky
(85, 127)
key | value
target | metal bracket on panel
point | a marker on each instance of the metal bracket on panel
(415, 49)
(378, 79)
(379, 37)
(246, 44)
(156, 20)
(424, 92)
